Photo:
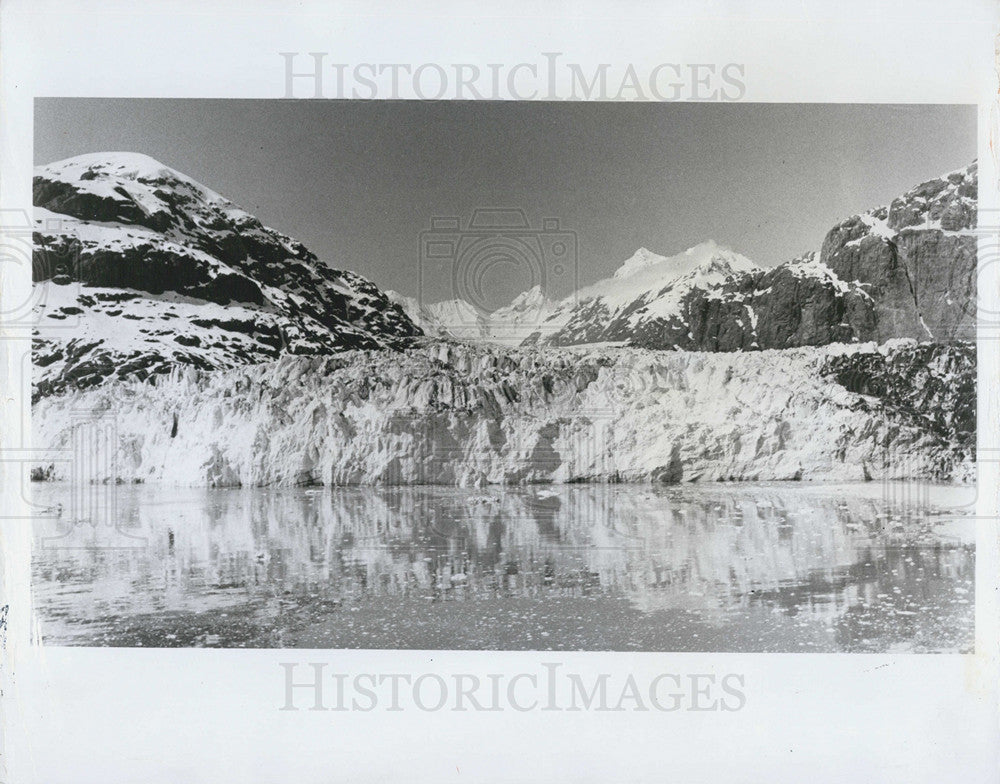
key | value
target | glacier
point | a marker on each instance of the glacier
(445, 412)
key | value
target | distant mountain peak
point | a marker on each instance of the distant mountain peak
(707, 252)
(640, 260)
(533, 298)
(853, 289)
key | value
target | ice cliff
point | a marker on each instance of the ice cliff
(453, 413)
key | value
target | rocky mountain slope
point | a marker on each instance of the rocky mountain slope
(140, 269)
(455, 413)
(916, 258)
(907, 269)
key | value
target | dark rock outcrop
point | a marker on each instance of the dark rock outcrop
(906, 270)
(795, 304)
(917, 259)
(929, 387)
(140, 268)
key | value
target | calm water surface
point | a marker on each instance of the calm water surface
(784, 567)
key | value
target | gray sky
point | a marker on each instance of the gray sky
(358, 181)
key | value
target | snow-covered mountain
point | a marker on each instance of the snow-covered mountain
(645, 292)
(140, 268)
(457, 319)
(511, 324)
(453, 318)
(905, 270)
(148, 280)
(645, 287)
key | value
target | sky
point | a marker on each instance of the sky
(358, 182)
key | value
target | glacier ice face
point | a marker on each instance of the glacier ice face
(451, 413)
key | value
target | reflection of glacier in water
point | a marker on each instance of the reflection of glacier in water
(592, 567)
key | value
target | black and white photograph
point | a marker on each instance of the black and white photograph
(504, 376)
(454, 392)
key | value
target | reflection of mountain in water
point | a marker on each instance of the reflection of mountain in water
(710, 550)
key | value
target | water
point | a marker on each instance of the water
(783, 567)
